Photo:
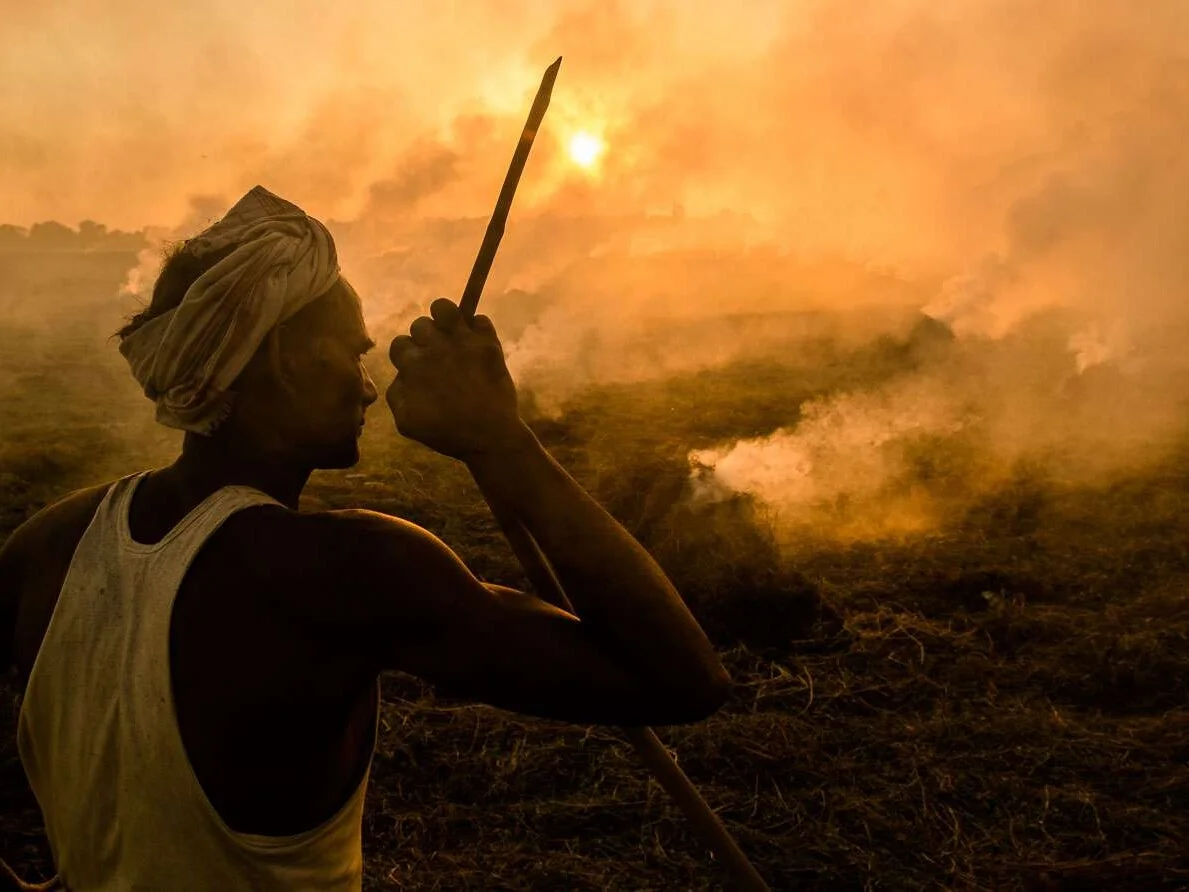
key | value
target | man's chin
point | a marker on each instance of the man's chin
(346, 456)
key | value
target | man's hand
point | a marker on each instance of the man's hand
(452, 390)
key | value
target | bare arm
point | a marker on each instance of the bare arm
(396, 593)
(615, 586)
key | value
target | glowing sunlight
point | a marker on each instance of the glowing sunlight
(585, 149)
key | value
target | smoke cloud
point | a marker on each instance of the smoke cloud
(774, 175)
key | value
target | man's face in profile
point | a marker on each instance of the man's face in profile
(329, 386)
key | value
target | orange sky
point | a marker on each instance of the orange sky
(984, 160)
(967, 136)
(120, 110)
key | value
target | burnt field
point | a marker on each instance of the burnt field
(999, 701)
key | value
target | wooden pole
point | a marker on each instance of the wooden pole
(536, 566)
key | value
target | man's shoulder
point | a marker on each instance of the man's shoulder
(280, 542)
(349, 569)
(34, 560)
(275, 524)
(60, 523)
(73, 508)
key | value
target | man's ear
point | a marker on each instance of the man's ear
(291, 355)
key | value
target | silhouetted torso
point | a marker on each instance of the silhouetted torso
(277, 721)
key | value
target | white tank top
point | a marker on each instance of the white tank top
(99, 739)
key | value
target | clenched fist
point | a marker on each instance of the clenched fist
(452, 390)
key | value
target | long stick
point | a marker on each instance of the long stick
(536, 566)
(495, 227)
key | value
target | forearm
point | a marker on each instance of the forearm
(614, 585)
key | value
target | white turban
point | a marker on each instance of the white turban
(187, 358)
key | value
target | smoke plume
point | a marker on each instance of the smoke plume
(775, 175)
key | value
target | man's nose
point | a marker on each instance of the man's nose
(370, 393)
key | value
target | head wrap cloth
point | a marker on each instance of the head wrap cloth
(187, 358)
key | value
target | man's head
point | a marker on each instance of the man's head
(236, 348)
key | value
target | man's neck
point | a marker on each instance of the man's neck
(208, 464)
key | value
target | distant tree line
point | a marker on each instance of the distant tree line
(54, 236)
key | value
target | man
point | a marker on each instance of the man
(202, 661)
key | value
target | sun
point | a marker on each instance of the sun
(585, 149)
